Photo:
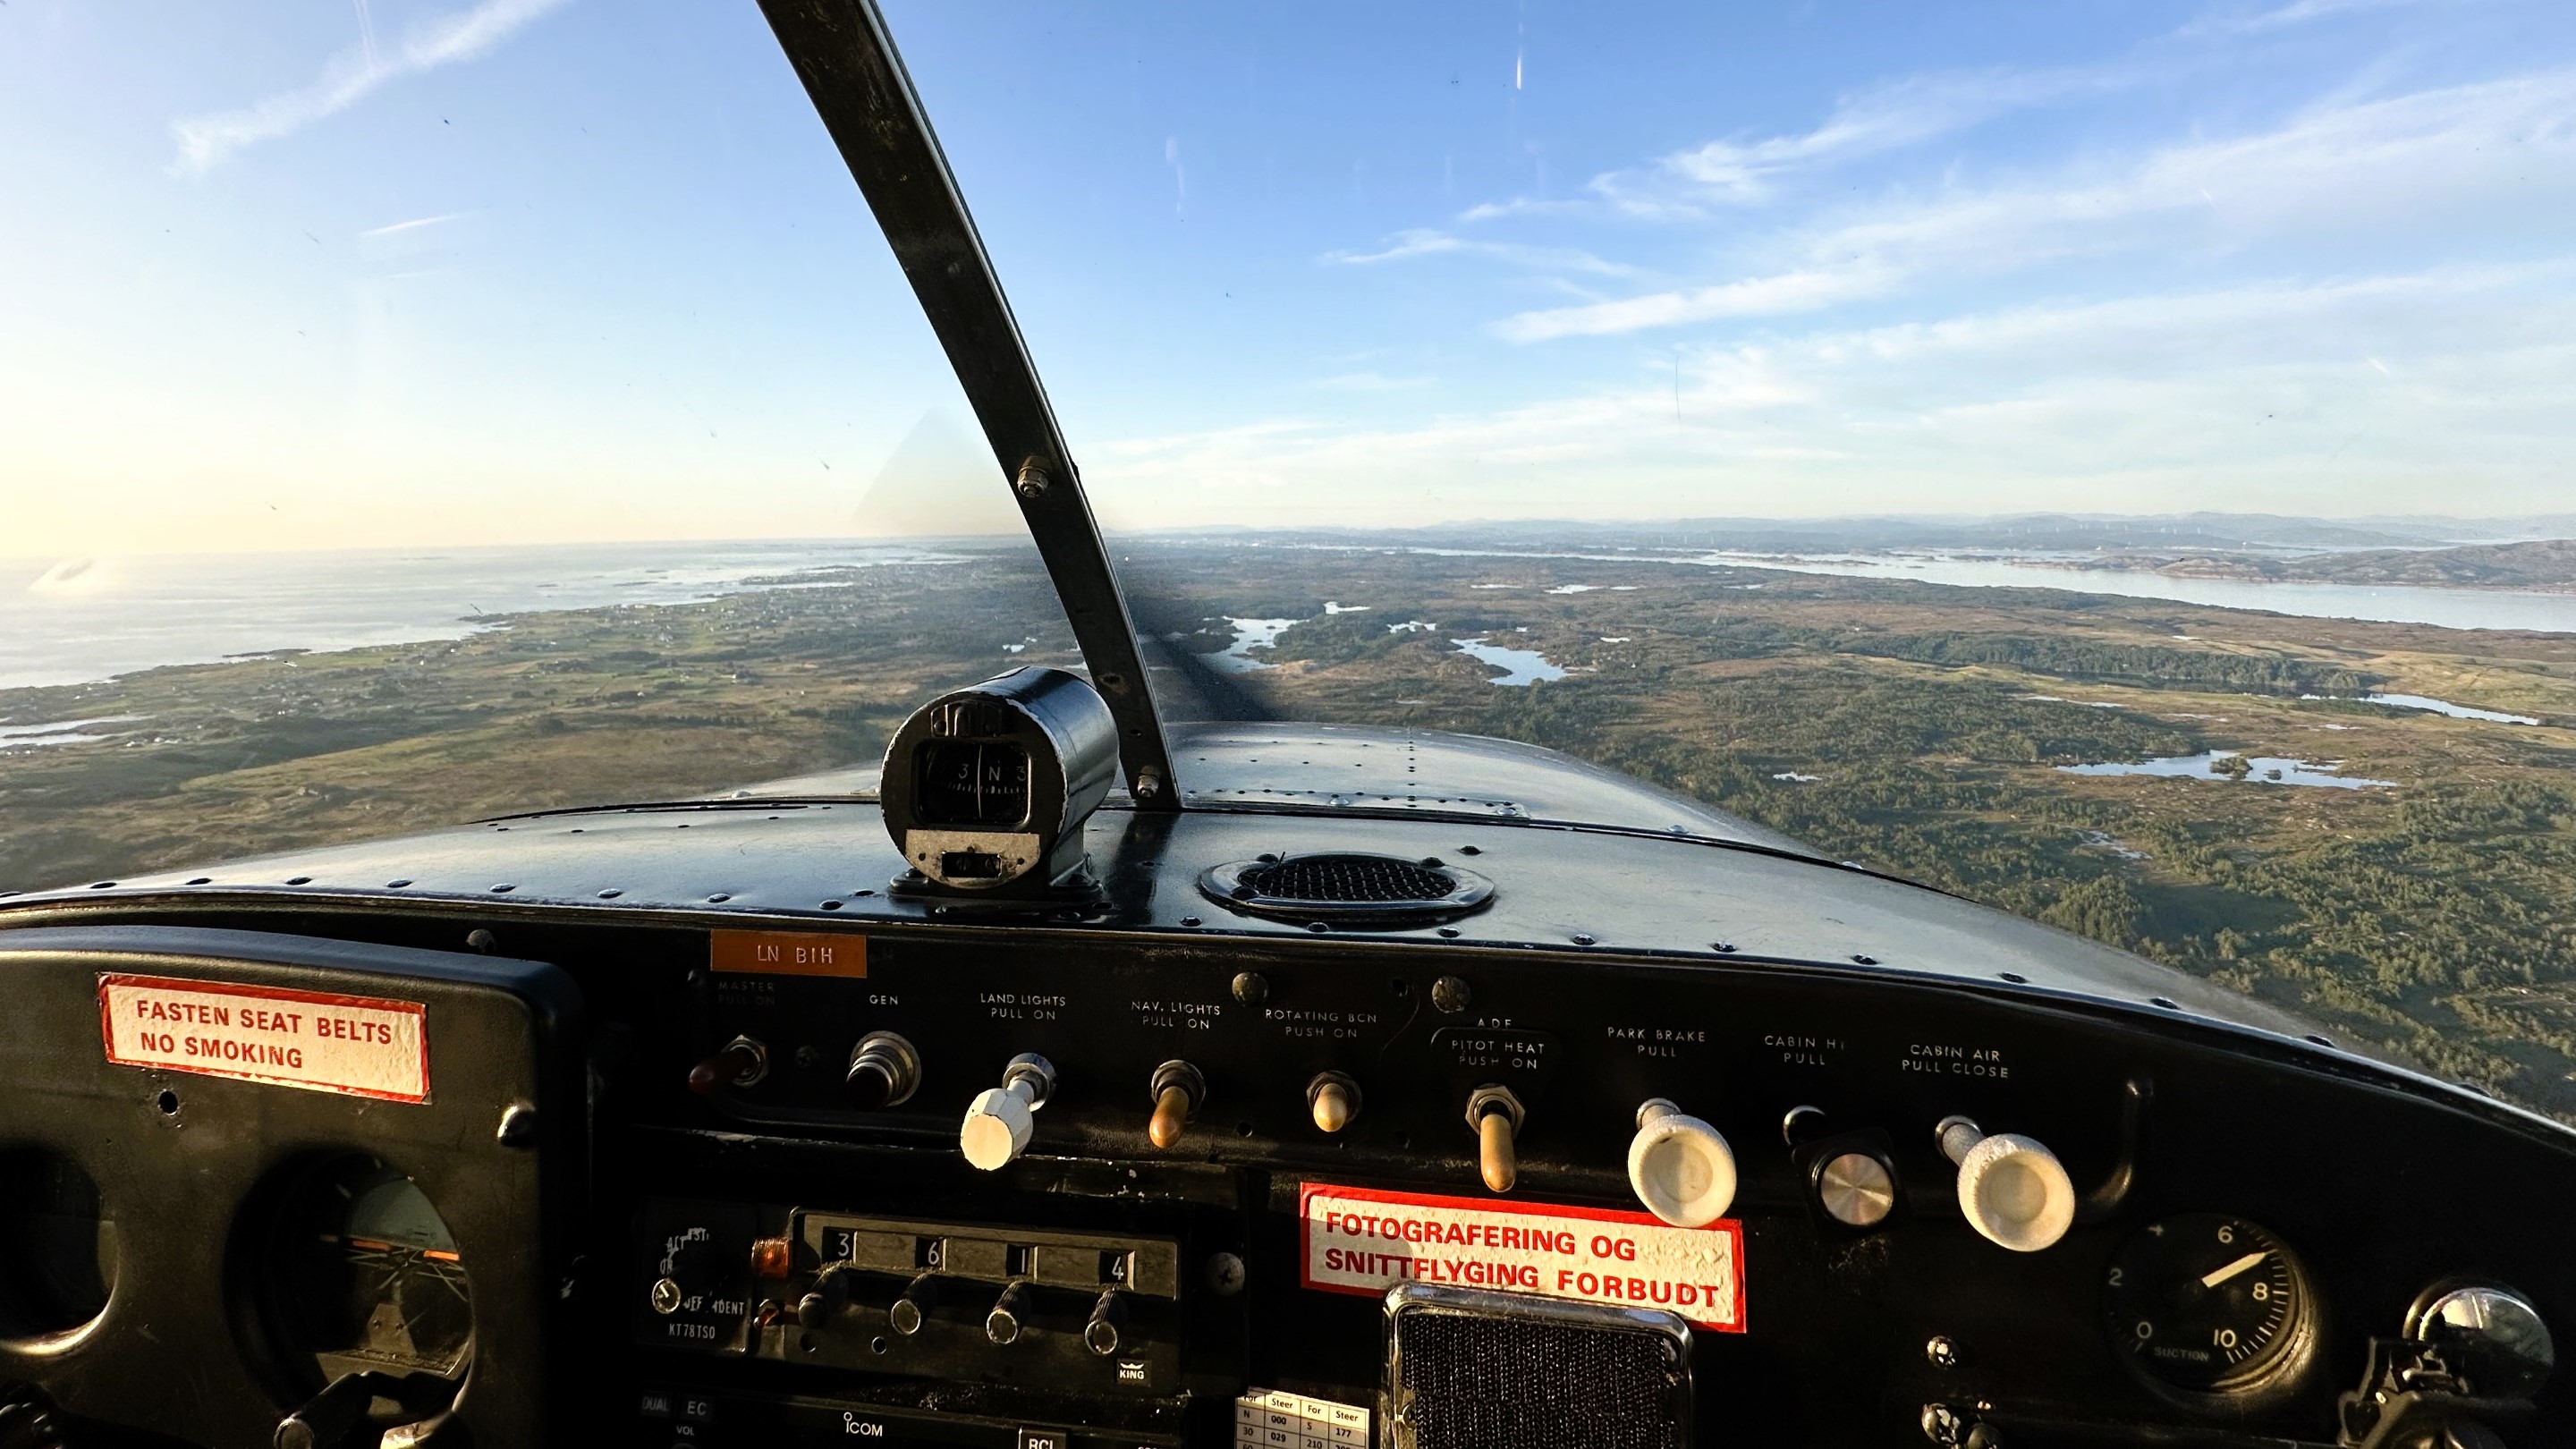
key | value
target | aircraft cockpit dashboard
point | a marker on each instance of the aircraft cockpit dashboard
(1080, 1078)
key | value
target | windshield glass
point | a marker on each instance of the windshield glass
(2110, 462)
(413, 412)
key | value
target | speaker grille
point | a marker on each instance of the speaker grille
(1346, 886)
(1347, 879)
(1473, 1370)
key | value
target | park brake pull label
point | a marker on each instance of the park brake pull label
(1357, 1240)
(357, 1046)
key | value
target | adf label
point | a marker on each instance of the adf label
(360, 1046)
(1361, 1241)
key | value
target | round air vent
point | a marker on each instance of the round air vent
(1347, 886)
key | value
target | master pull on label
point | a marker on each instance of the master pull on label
(1361, 1241)
(357, 1046)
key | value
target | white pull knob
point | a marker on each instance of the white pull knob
(1681, 1169)
(2012, 1189)
(998, 1124)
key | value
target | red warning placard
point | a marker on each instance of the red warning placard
(360, 1046)
(1357, 1240)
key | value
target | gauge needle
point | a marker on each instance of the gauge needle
(2231, 1270)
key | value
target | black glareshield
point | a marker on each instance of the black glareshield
(986, 789)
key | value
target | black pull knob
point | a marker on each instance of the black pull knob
(829, 1295)
(1010, 1312)
(1108, 1323)
(884, 1071)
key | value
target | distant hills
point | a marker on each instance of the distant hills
(2545, 564)
(2537, 551)
(2171, 536)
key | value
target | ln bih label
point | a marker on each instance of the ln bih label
(1361, 1241)
(359, 1046)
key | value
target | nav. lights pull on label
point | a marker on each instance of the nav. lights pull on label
(1361, 1241)
(357, 1046)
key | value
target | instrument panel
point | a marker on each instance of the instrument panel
(766, 1255)
(1715, 1144)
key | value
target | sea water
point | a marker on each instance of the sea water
(71, 621)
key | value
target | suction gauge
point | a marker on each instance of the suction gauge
(2210, 1304)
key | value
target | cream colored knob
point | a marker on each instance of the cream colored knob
(1679, 1166)
(1497, 1161)
(999, 1121)
(2012, 1189)
(997, 1128)
(1494, 1113)
(1334, 1100)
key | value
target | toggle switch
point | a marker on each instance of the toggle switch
(1334, 1100)
(1177, 1090)
(1679, 1166)
(1494, 1115)
(884, 1071)
(1010, 1313)
(2012, 1189)
(999, 1122)
(908, 1312)
(1107, 1326)
(742, 1063)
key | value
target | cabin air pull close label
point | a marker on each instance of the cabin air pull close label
(1357, 1240)
(357, 1046)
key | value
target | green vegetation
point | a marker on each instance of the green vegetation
(2436, 918)
(2546, 565)
(1909, 726)
(570, 708)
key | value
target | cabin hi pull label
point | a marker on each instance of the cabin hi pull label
(1356, 1240)
(358, 1046)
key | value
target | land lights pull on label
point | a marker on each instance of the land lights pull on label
(357, 1046)
(1357, 1240)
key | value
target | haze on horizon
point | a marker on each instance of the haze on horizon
(448, 272)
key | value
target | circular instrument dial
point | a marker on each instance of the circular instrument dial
(2207, 1302)
(360, 1272)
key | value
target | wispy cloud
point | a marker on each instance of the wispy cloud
(2349, 168)
(1797, 291)
(2242, 20)
(2208, 397)
(349, 77)
(1426, 242)
(1741, 171)
(1886, 118)
(1369, 382)
(417, 223)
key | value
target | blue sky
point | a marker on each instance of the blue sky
(454, 272)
